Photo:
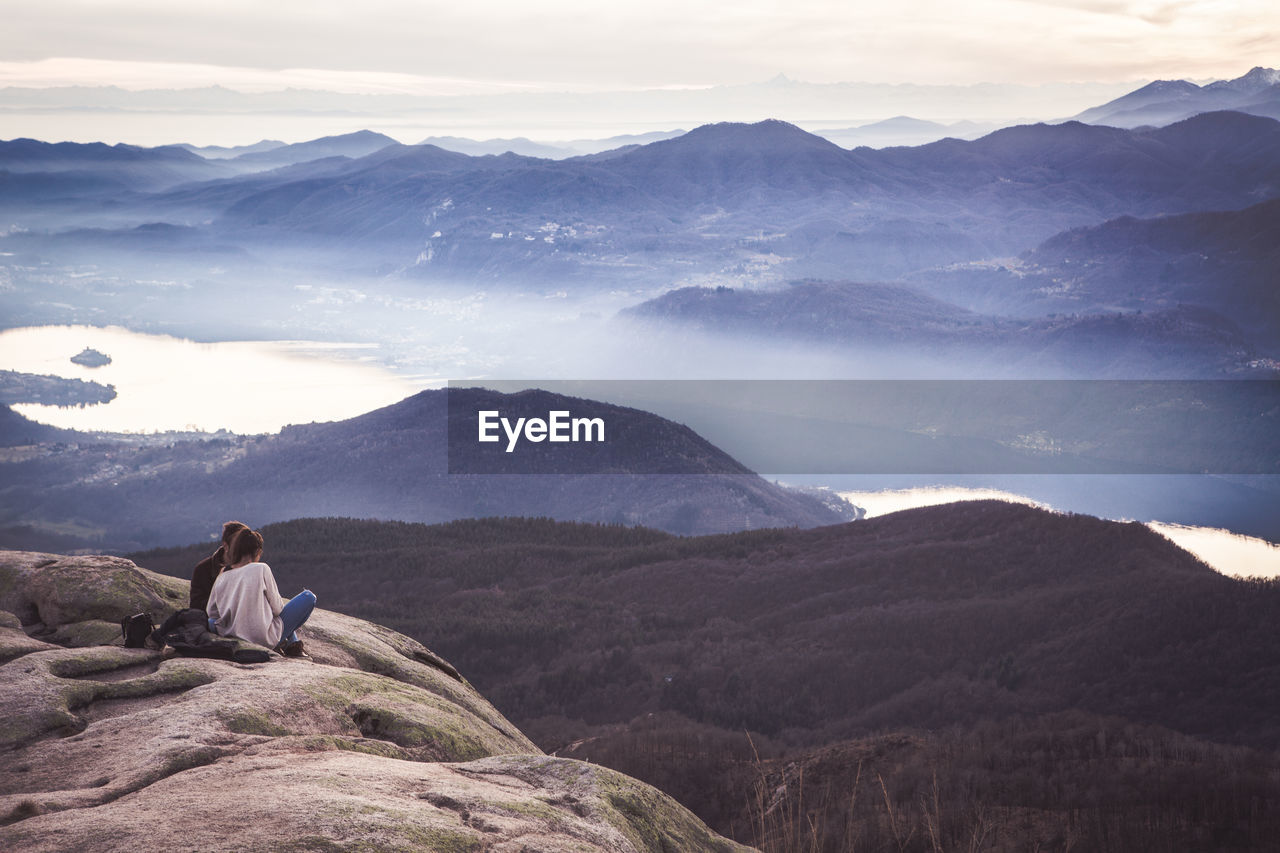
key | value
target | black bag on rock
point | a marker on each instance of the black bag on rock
(187, 631)
(136, 629)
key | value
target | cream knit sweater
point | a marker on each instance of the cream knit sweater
(246, 603)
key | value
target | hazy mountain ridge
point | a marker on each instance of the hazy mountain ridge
(554, 150)
(1226, 260)
(899, 321)
(1222, 261)
(727, 193)
(392, 463)
(644, 109)
(129, 166)
(906, 130)
(731, 191)
(17, 431)
(748, 206)
(222, 152)
(356, 144)
(1166, 101)
(33, 155)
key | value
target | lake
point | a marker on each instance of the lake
(166, 383)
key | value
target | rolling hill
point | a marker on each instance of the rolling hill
(926, 617)
(393, 463)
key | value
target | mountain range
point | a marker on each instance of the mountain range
(1156, 104)
(1047, 250)
(719, 197)
(1175, 296)
(350, 145)
(554, 150)
(905, 130)
(49, 172)
(770, 188)
(1167, 101)
(160, 115)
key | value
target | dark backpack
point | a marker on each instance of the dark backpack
(136, 629)
(187, 631)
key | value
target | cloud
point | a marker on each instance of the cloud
(388, 45)
(137, 75)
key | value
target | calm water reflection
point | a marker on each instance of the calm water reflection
(167, 383)
(892, 500)
(1229, 553)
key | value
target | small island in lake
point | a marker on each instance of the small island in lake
(89, 357)
(18, 388)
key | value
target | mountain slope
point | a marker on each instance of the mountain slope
(356, 144)
(997, 664)
(1223, 260)
(394, 464)
(1073, 171)
(98, 166)
(1167, 101)
(925, 618)
(906, 324)
(716, 163)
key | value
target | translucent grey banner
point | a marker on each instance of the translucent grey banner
(865, 427)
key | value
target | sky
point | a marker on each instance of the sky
(435, 48)
(559, 70)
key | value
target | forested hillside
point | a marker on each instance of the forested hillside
(114, 492)
(963, 618)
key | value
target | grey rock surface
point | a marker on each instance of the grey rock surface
(374, 743)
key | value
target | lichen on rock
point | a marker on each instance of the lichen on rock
(375, 743)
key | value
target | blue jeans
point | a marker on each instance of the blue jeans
(296, 612)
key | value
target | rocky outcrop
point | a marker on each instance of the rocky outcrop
(375, 743)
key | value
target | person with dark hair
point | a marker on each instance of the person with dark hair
(246, 603)
(208, 569)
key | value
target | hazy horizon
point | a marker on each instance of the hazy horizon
(220, 115)
(406, 47)
(132, 71)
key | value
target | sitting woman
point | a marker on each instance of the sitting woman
(246, 603)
